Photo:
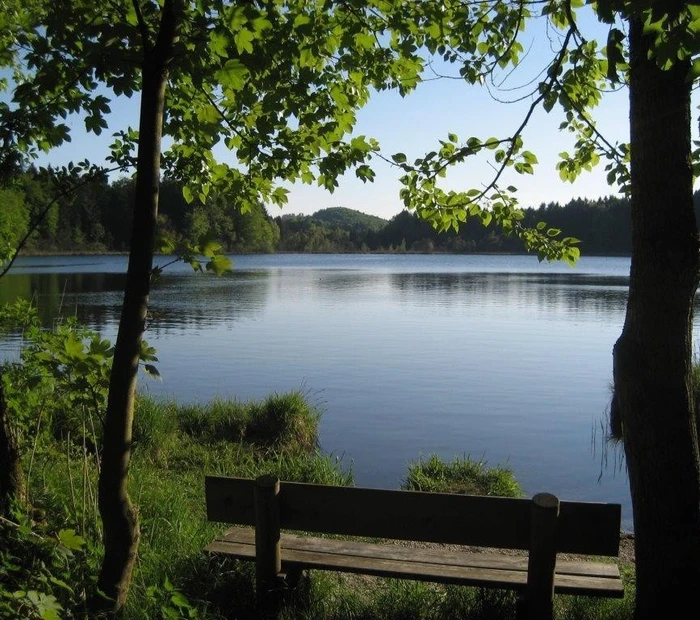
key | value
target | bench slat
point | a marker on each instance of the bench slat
(459, 568)
(457, 558)
(584, 527)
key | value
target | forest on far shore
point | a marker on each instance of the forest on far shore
(95, 219)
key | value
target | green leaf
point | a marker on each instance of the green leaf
(301, 20)
(280, 196)
(219, 265)
(243, 40)
(60, 583)
(614, 52)
(152, 371)
(74, 346)
(359, 143)
(365, 173)
(210, 248)
(529, 157)
(219, 44)
(178, 599)
(233, 75)
(399, 158)
(147, 353)
(365, 40)
(70, 540)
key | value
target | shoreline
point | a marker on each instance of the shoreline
(37, 254)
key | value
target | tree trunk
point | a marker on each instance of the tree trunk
(653, 357)
(11, 480)
(119, 519)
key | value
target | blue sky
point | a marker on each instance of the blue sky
(413, 125)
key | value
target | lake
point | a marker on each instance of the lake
(499, 358)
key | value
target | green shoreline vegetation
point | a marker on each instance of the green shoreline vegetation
(94, 220)
(50, 545)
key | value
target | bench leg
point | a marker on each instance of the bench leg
(270, 596)
(537, 610)
(268, 556)
(296, 578)
(542, 558)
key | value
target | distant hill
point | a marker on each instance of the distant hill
(349, 219)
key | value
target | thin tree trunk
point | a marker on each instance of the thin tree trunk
(652, 358)
(11, 479)
(120, 521)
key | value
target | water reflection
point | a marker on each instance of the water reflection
(571, 294)
(186, 301)
(177, 302)
(93, 297)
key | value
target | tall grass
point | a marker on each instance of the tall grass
(461, 475)
(280, 423)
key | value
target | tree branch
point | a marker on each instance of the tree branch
(143, 27)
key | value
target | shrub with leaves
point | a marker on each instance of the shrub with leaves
(171, 603)
(61, 380)
(43, 574)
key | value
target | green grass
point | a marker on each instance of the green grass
(461, 475)
(176, 446)
(280, 423)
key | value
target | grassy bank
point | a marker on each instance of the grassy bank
(174, 447)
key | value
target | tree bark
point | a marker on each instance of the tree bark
(119, 519)
(653, 356)
(11, 479)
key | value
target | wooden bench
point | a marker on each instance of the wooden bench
(543, 526)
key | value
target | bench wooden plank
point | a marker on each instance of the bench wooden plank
(457, 568)
(246, 536)
(584, 527)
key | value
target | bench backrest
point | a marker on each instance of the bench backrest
(582, 527)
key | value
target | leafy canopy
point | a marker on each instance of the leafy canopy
(278, 83)
(483, 40)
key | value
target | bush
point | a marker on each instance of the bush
(43, 574)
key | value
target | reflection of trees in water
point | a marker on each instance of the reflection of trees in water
(68, 294)
(177, 301)
(578, 293)
(181, 301)
(342, 281)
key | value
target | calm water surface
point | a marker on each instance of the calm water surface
(495, 357)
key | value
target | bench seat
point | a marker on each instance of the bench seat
(588, 578)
